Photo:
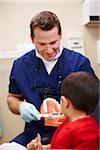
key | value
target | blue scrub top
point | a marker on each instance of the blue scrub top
(30, 78)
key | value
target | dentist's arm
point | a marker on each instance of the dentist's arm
(14, 102)
(27, 110)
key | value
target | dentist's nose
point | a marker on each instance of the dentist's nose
(49, 48)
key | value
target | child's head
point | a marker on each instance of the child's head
(82, 90)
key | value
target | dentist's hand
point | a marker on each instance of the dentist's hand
(28, 112)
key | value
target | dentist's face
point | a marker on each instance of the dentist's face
(47, 43)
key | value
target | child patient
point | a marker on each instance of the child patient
(80, 94)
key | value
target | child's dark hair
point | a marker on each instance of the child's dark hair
(82, 89)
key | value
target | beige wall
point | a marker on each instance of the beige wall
(14, 29)
(12, 124)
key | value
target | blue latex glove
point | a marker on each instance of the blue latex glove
(28, 112)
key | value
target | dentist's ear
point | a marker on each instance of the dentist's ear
(64, 101)
(32, 38)
(61, 35)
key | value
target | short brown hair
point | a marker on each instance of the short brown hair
(45, 20)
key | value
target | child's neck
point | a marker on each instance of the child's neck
(77, 115)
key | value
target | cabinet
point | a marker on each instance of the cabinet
(91, 13)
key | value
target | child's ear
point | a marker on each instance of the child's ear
(65, 101)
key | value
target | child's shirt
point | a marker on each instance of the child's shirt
(80, 134)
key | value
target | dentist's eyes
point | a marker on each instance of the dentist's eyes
(42, 44)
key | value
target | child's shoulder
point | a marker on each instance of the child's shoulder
(87, 123)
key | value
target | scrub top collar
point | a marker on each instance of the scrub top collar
(50, 64)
